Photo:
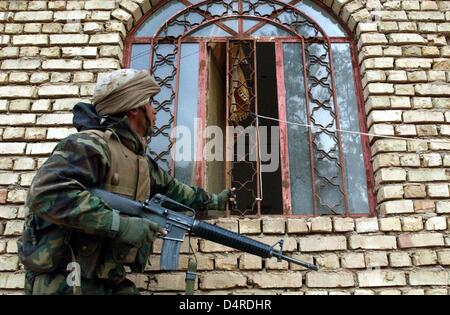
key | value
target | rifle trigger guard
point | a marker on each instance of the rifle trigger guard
(280, 242)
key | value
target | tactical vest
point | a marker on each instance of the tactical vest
(54, 246)
(129, 172)
(128, 176)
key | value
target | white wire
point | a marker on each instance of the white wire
(352, 131)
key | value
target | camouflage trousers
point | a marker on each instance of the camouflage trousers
(56, 284)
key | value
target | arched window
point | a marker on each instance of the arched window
(284, 69)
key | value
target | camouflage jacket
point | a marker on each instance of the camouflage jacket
(61, 210)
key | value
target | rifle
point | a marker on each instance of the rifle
(168, 214)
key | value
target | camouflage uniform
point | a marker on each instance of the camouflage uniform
(64, 222)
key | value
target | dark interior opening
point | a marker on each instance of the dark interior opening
(267, 105)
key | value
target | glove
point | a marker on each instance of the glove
(137, 231)
(224, 197)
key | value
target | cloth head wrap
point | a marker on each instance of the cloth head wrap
(122, 90)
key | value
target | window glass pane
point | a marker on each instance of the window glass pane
(181, 24)
(298, 136)
(154, 22)
(248, 24)
(327, 168)
(323, 18)
(270, 30)
(211, 31)
(140, 57)
(355, 173)
(187, 112)
(164, 72)
(233, 24)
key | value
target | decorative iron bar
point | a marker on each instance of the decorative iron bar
(241, 99)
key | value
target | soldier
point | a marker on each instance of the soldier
(65, 223)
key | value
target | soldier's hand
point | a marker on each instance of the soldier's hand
(137, 231)
(227, 196)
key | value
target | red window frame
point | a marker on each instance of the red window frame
(202, 84)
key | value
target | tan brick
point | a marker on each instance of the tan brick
(35, 133)
(322, 243)
(421, 102)
(424, 206)
(411, 224)
(321, 224)
(40, 148)
(353, 260)
(426, 16)
(443, 206)
(379, 88)
(24, 164)
(390, 224)
(388, 146)
(69, 39)
(274, 264)
(12, 280)
(132, 8)
(410, 160)
(366, 225)
(422, 116)
(397, 207)
(376, 259)
(226, 262)
(343, 224)
(438, 190)
(112, 38)
(424, 257)
(386, 160)
(54, 119)
(61, 64)
(420, 240)
(328, 261)
(9, 262)
(72, 15)
(250, 226)
(329, 279)
(399, 259)
(51, 52)
(273, 225)
(8, 212)
(390, 192)
(20, 64)
(101, 64)
(433, 89)
(296, 226)
(432, 160)
(429, 277)
(363, 292)
(436, 292)
(444, 257)
(372, 242)
(12, 148)
(250, 262)
(427, 175)
(14, 227)
(276, 279)
(100, 5)
(384, 116)
(436, 223)
(390, 175)
(169, 282)
(222, 280)
(379, 278)
(406, 39)
(13, 133)
(58, 90)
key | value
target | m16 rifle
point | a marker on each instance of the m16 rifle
(171, 216)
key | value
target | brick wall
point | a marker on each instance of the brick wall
(52, 53)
